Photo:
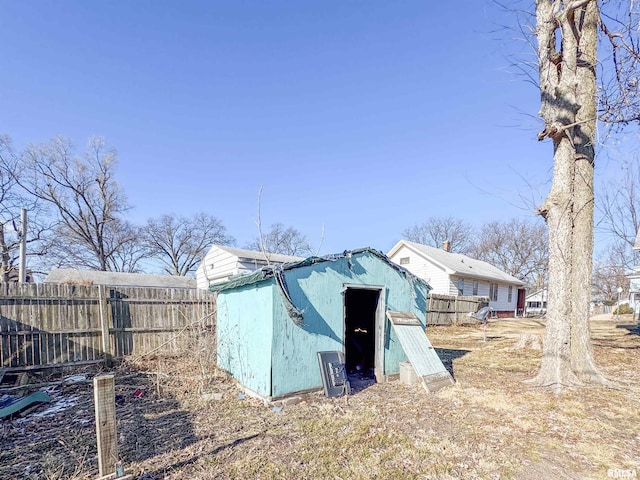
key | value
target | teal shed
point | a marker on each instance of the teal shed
(272, 323)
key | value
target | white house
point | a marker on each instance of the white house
(536, 302)
(456, 274)
(222, 262)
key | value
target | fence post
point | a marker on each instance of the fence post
(105, 408)
(105, 322)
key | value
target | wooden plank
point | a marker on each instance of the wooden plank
(423, 357)
(403, 318)
(105, 323)
(105, 410)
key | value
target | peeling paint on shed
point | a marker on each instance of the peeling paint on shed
(263, 343)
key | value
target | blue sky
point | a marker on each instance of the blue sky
(365, 117)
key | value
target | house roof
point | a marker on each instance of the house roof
(457, 263)
(117, 279)
(253, 255)
(538, 294)
(272, 271)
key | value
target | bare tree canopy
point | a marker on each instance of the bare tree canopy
(436, 230)
(179, 243)
(567, 40)
(609, 272)
(9, 207)
(515, 246)
(84, 195)
(619, 211)
(12, 199)
(282, 240)
(619, 79)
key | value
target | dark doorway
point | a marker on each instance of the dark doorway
(360, 306)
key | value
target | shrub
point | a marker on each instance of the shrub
(624, 309)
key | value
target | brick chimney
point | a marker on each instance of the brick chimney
(446, 246)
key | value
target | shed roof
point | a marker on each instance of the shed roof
(253, 255)
(270, 271)
(458, 264)
(118, 279)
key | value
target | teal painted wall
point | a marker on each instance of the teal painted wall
(267, 352)
(244, 332)
(317, 290)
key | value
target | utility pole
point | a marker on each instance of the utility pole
(22, 272)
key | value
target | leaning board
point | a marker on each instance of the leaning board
(426, 363)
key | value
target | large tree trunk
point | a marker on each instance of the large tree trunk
(583, 135)
(568, 96)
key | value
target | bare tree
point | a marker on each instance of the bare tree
(126, 246)
(516, 246)
(12, 200)
(123, 247)
(180, 242)
(8, 213)
(436, 230)
(567, 40)
(609, 272)
(84, 195)
(282, 240)
(619, 209)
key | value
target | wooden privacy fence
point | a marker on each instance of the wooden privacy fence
(59, 324)
(451, 309)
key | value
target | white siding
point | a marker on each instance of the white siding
(442, 283)
(503, 304)
(217, 266)
(437, 278)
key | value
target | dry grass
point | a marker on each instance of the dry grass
(489, 425)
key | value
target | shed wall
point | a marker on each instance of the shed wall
(245, 334)
(318, 291)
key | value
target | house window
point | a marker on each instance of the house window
(475, 287)
(404, 260)
(493, 292)
(510, 294)
(460, 286)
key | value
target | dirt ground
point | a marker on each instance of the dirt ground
(179, 418)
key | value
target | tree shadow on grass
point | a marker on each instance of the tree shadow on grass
(631, 328)
(161, 472)
(150, 426)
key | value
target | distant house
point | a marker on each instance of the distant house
(222, 262)
(456, 274)
(117, 279)
(536, 303)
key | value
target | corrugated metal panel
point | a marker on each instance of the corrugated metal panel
(419, 350)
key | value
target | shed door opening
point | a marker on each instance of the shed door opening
(360, 326)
